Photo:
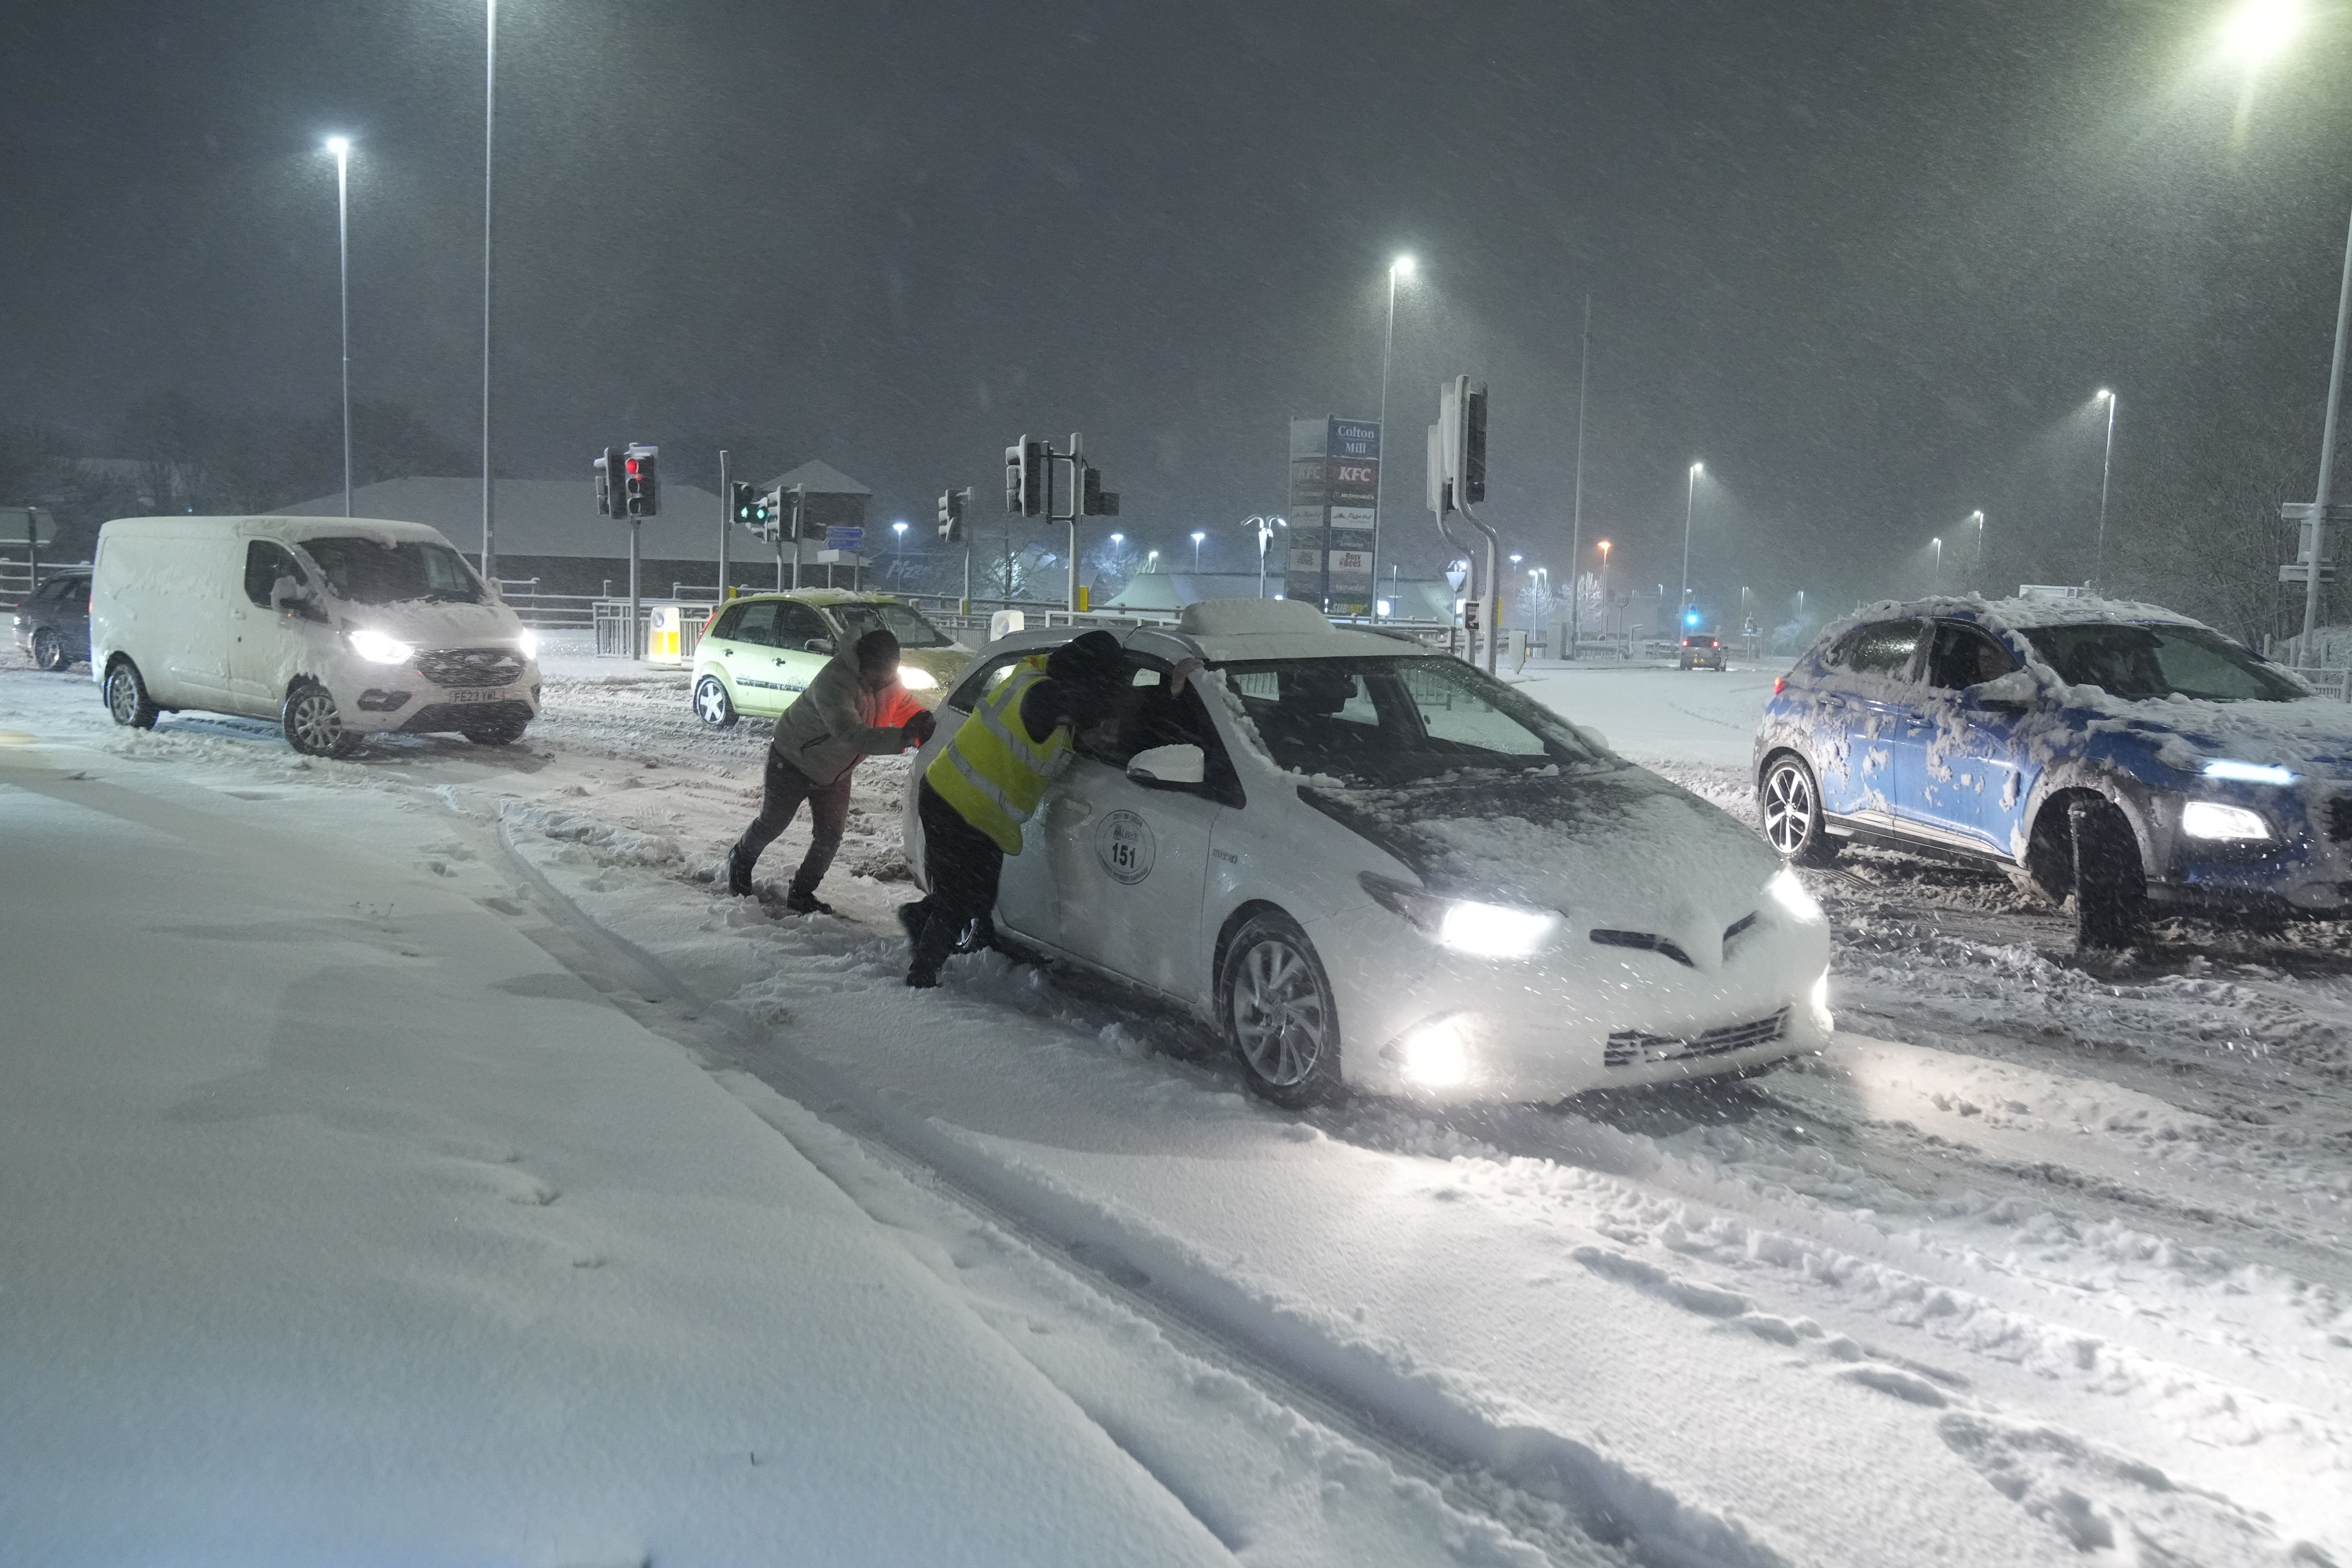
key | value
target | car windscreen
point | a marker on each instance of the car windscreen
(2138, 662)
(900, 621)
(361, 571)
(1395, 720)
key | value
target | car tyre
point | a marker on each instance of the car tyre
(49, 650)
(500, 732)
(1789, 803)
(711, 703)
(313, 724)
(126, 695)
(2110, 889)
(1276, 1005)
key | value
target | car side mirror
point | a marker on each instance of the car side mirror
(2013, 694)
(1168, 767)
(819, 644)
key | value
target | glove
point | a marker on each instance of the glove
(1183, 676)
(918, 730)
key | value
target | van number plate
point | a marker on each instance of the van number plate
(487, 694)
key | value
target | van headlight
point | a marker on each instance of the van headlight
(377, 648)
(2211, 819)
(526, 641)
(1467, 925)
(916, 678)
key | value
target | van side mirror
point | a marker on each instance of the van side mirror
(1170, 767)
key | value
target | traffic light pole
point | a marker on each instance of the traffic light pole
(725, 501)
(636, 626)
(1076, 460)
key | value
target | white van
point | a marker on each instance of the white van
(336, 627)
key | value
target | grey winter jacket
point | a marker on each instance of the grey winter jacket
(826, 733)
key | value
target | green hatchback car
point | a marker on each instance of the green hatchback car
(760, 652)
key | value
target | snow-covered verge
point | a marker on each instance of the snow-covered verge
(2017, 1277)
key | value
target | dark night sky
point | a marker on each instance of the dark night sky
(1868, 261)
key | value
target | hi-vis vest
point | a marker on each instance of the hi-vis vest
(992, 771)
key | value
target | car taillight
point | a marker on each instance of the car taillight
(1780, 684)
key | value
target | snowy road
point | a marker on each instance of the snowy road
(2039, 1262)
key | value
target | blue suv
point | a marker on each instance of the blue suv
(2119, 753)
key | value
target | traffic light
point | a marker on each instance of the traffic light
(951, 517)
(606, 466)
(752, 509)
(1024, 477)
(1474, 444)
(793, 518)
(640, 484)
(1093, 500)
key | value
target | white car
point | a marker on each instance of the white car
(1369, 864)
(335, 626)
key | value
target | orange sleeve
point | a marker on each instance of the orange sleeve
(898, 708)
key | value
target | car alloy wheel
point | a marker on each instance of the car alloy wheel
(48, 651)
(1790, 805)
(126, 697)
(314, 725)
(712, 704)
(1279, 1015)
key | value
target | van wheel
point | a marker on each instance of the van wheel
(1790, 805)
(314, 725)
(711, 703)
(49, 650)
(1279, 1014)
(126, 695)
(2110, 889)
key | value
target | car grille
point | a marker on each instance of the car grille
(1630, 1048)
(2339, 818)
(470, 665)
(1651, 942)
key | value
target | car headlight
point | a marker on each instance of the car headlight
(1467, 925)
(1792, 895)
(1436, 1055)
(2247, 772)
(528, 641)
(377, 648)
(2211, 819)
(917, 679)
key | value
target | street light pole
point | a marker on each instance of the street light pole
(1937, 584)
(1197, 537)
(1977, 517)
(489, 141)
(341, 146)
(2106, 466)
(1576, 518)
(2322, 491)
(1604, 588)
(1401, 265)
(1690, 501)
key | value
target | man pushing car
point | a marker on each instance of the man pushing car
(854, 709)
(987, 779)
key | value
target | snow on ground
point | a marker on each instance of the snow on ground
(2044, 1261)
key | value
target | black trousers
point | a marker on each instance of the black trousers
(781, 792)
(963, 866)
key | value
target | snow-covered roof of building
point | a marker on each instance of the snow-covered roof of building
(820, 478)
(539, 517)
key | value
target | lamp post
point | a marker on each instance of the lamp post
(1401, 268)
(1977, 517)
(1936, 584)
(1604, 587)
(1266, 527)
(2106, 466)
(1197, 537)
(1151, 561)
(1690, 502)
(901, 544)
(489, 140)
(1576, 518)
(341, 146)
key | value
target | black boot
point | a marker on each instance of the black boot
(910, 918)
(800, 901)
(739, 872)
(933, 945)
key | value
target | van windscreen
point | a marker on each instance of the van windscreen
(361, 571)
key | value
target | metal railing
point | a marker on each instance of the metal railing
(549, 612)
(2330, 680)
(18, 580)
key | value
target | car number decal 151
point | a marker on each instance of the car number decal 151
(1127, 847)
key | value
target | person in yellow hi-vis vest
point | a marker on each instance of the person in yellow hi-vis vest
(987, 780)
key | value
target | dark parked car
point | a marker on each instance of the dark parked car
(1702, 653)
(53, 623)
(2118, 753)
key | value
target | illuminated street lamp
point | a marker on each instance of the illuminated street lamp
(1605, 548)
(341, 146)
(1197, 537)
(900, 529)
(2106, 466)
(1936, 582)
(1266, 527)
(1977, 518)
(2258, 30)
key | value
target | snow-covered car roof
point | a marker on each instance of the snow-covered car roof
(285, 529)
(828, 597)
(2019, 613)
(1229, 631)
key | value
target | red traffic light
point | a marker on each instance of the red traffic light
(632, 467)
